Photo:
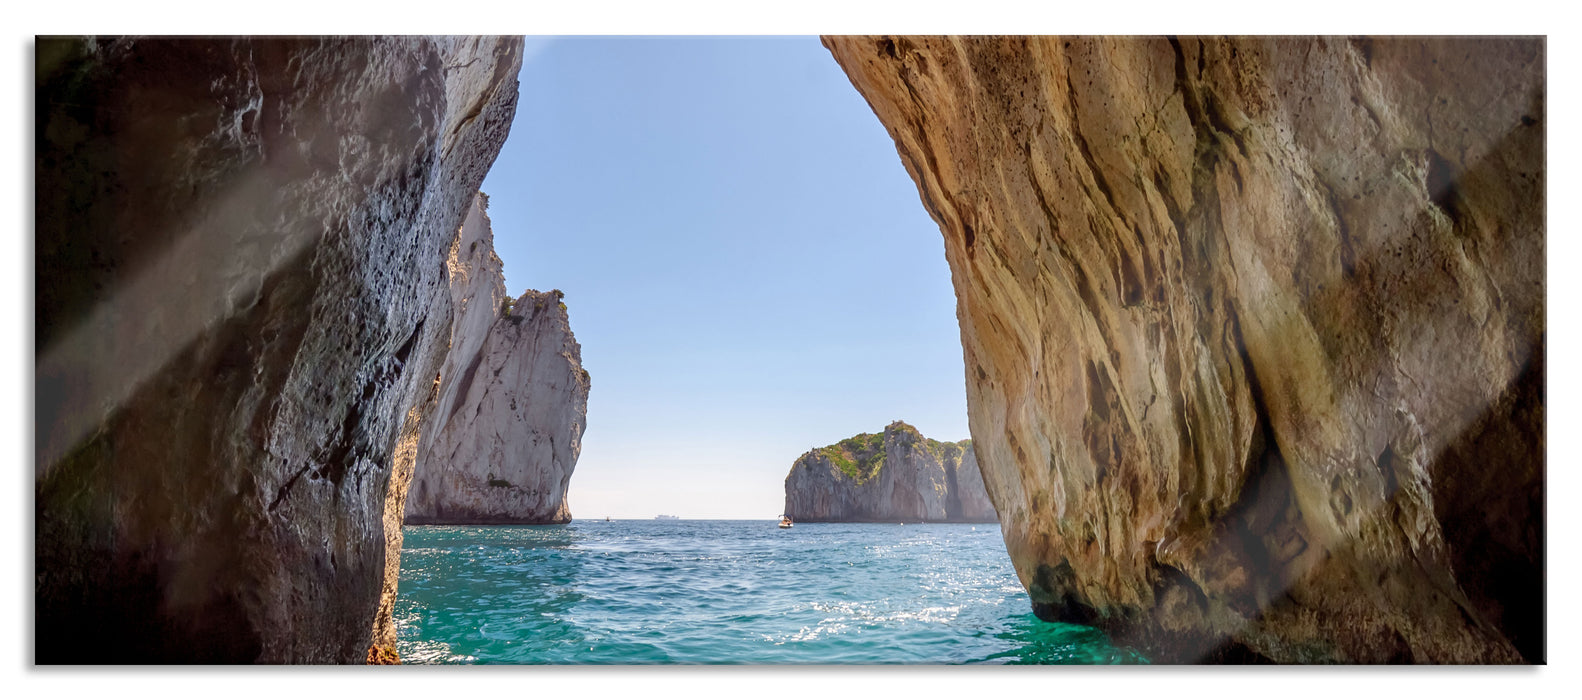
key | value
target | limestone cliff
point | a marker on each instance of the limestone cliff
(894, 476)
(1253, 330)
(241, 315)
(513, 400)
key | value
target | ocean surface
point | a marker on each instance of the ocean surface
(723, 592)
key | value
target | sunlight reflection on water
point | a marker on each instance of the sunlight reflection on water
(642, 592)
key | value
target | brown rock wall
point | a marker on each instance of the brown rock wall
(1253, 329)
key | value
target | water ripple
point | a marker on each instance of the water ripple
(691, 592)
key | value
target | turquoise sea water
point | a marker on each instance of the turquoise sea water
(719, 591)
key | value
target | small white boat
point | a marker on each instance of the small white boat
(785, 522)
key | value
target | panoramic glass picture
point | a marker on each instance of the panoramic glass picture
(789, 350)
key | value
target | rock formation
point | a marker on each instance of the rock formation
(513, 400)
(241, 315)
(894, 476)
(1253, 330)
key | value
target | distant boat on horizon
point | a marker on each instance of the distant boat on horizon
(666, 517)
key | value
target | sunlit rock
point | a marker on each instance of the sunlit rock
(513, 400)
(894, 476)
(1253, 330)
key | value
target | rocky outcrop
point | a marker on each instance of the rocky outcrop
(894, 476)
(1253, 330)
(513, 400)
(242, 309)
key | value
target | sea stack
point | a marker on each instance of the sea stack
(1253, 330)
(513, 400)
(894, 476)
(241, 309)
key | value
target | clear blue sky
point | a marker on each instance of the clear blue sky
(745, 261)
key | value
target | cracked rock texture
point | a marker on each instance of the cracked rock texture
(889, 477)
(242, 309)
(512, 405)
(1253, 330)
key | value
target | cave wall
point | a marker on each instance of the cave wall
(1253, 329)
(242, 308)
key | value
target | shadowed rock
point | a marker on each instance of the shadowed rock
(241, 312)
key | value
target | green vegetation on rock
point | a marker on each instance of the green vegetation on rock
(862, 456)
(858, 457)
(946, 451)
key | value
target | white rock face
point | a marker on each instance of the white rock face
(969, 488)
(505, 436)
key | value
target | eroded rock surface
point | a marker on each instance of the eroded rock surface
(1253, 330)
(513, 400)
(242, 310)
(894, 476)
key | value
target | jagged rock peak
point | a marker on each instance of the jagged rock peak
(513, 400)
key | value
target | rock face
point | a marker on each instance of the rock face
(242, 309)
(894, 476)
(512, 405)
(1253, 330)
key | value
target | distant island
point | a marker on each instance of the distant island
(666, 517)
(894, 476)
